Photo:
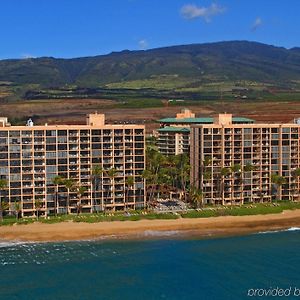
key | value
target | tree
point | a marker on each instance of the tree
(149, 179)
(96, 176)
(17, 209)
(296, 175)
(225, 171)
(129, 182)
(80, 190)
(111, 173)
(236, 171)
(3, 186)
(248, 168)
(184, 172)
(205, 173)
(196, 197)
(155, 162)
(69, 185)
(38, 205)
(278, 181)
(57, 180)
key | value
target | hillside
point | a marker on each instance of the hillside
(187, 66)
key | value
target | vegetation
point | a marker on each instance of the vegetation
(3, 206)
(205, 212)
(70, 185)
(278, 181)
(165, 174)
(254, 209)
(97, 173)
(57, 180)
(240, 69)
(38, 204)
(129, 183)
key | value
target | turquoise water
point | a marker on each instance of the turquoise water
(223, 268)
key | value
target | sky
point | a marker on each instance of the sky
(76, 28)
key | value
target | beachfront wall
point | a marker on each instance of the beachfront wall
(32, 156)
(234, 164)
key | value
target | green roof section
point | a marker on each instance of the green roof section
(173, 129)
(208, 120)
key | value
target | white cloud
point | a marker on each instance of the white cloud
(191, 11)
(143, 44)
(257, 23)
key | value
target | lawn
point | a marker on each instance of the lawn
(206, 212)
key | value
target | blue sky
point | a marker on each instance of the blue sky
(73, 28)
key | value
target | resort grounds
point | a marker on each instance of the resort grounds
(202, 222)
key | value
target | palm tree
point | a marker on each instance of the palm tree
(278, 181)
(236, 171)
(155, 162)
(38, 205)
(57, 180)
(196, 197)
(3, 186)
(248, 168)
(80, 192)
(149, 180)
(111, 173)
(17, 208)
(296, 175)
(129, 182)
(223, 173)
(205, 172)
(96, 175)
(69, 185)
(184, 172)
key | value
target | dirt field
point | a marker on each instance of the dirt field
(74, 111)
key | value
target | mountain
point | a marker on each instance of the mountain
(212, 62)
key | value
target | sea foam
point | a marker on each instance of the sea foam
(5, 244)
(150, 233)
(281, 230)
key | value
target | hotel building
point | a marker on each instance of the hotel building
(174, 133)
(32, 156)
(234, 163)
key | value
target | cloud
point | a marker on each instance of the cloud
(191, 11)
(143, 44)
(256, 24)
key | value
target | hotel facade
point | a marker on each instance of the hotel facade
(32, 156)
(174, 133)
(235, 163)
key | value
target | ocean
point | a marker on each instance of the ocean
(157, 268)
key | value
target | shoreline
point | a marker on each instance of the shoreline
(145, 229)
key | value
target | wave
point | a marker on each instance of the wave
(281, 230)
(149, 233)
(5, 244)
(9, 244)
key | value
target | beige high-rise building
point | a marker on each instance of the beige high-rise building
(32, 156)
(235, 163)
(174, 133)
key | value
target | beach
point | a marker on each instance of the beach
(202, 227)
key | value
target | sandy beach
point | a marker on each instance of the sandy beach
(202, 227)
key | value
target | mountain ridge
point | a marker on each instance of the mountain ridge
(208, 62)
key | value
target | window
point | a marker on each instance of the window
(51, 133)
(285, 130)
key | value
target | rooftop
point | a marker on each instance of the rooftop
(173, 129)
(207, 120)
